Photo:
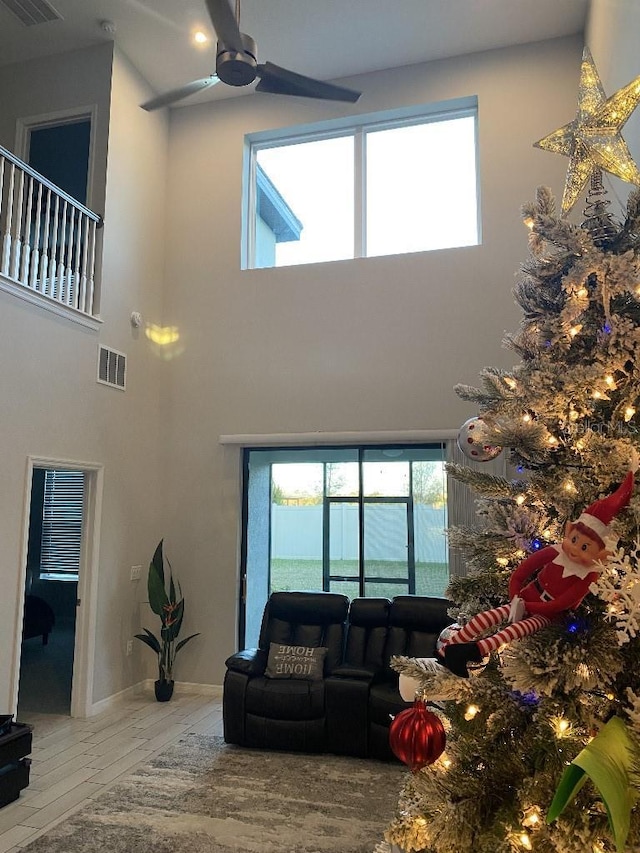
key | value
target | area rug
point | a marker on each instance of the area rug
(204, 796)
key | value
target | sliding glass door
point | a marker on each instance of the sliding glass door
(362, 521)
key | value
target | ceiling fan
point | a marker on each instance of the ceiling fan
(237, 65)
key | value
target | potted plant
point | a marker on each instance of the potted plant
(165, 599)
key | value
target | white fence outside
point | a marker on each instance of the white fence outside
(296, 532)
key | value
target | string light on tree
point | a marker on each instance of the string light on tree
(525, 840)
(532, 817)
(561, 726)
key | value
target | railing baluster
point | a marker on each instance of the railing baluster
(82, 284)
(35, 252)
(44, 257)
(26, 246)
(89, 296)
(63, 237)
(48, 240)
(6, 244)
(53, 263)
(69, 262)
(16, 247)
(3, 163)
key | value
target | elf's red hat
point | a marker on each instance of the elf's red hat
(598, 516)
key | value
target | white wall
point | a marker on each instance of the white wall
(52, 405)
(373, 344)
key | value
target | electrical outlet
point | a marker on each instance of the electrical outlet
(129, 647)
(136, 573)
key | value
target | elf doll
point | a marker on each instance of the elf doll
(544, 585)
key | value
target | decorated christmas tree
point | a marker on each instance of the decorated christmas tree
(537, 684)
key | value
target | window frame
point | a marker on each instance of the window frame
(358, 127)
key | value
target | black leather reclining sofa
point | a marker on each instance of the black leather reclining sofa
(346, 705)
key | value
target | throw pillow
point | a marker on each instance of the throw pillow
(287, 661)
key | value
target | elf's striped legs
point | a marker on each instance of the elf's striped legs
(490, 619)
(480, 623)
(514, 631)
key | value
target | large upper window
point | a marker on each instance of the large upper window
(381, 184)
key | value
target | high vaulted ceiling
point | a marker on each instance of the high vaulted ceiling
(325, 39)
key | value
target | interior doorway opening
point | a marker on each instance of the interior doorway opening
(54, 555)
(61, 152)
(85, 585)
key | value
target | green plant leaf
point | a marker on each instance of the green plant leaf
(151, 640)
(155, 584)
(185, 641)
(158, 560)
(607, 760)
(172, 587)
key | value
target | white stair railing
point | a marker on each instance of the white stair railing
(48, 240)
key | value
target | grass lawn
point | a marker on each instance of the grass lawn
(286, 575)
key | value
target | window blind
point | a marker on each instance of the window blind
(62, 525)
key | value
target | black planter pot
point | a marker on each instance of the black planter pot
(164, 690)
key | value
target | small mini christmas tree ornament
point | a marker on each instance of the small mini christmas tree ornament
(473, 441)
(417, 736)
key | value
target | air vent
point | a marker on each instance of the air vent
(30, 12)
(112, 368)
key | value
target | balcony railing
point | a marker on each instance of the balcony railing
(48, 240)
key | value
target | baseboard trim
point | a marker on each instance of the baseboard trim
(114, 700)
(146, 686)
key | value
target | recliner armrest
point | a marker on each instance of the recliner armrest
(248, 662)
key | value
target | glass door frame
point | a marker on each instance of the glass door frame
(362, 500)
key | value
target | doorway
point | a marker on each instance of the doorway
(53, 671)
(51, 590)
(60, 152)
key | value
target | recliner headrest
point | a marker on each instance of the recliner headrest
(369, 612)
(417, 612)
(308, 608)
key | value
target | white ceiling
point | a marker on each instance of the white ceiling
(325, 39)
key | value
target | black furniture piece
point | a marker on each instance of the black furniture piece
(348, 688)
(39, 619)
(348, 711)
(15, 744)
(285, 713)
(415, 623)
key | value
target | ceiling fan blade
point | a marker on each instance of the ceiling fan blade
(281, 81)
(178, 94)
(225, 24)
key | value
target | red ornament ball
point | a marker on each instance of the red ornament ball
(417, 736)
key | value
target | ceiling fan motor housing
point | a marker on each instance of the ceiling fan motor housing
(234, 68)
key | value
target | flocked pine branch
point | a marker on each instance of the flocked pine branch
(486, 485)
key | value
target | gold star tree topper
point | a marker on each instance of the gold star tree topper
(592, 141)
